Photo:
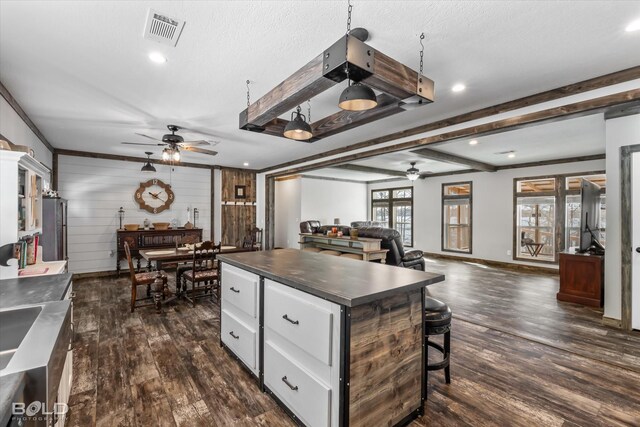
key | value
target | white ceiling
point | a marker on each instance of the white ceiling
(583, 136)
(81, 72)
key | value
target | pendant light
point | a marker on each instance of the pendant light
(148, 167)
(357, 97)
(298, 128)
(413, 173)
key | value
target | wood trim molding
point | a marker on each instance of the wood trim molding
(18, 109)
(54, 171)
(269, 212)
(550, 95)
(498, 264)
(89, 154)
(577, 109)
(610, 321)
(626, 243)
(554, 162)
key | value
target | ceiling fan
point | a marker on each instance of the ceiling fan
(174, 144)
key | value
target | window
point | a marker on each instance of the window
(547, 215)
(456, 217)
(394, 208)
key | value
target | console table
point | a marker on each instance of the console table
(153, 239)
(581, 279)
(367, 247)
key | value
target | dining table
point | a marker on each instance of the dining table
(180, 254)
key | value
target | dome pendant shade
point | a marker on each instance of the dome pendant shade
(148, 167)
(357, 97)
(413, 173)
(298, 128)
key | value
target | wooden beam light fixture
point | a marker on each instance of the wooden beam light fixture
(348, 58)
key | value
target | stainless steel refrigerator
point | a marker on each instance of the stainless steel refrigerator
(54, 229)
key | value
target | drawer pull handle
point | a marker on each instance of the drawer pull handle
(234, 335)
(237, 291)
(292, 387)
(295, 322)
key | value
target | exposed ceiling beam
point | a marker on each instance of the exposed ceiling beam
(456, 160)
(550, 95)
(550, 115)
(368, 169)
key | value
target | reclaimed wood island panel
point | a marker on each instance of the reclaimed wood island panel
(335, 341)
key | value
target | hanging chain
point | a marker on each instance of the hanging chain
(346, 50)
(421, 52)
(248, 98)
(309, 110)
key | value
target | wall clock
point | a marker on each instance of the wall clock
(154, 196)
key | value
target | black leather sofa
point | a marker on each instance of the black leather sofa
(390, 239)
(359, 224)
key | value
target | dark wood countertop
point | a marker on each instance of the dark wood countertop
(343, 281)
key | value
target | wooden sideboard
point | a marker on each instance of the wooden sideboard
(581, 279)
(148, 239)
(367, 247)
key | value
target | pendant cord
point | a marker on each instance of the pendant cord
(346, 51)
(421, 53)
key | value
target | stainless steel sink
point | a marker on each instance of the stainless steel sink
(14, 326)
(34, 340)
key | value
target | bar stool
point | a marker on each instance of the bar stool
(438, 322)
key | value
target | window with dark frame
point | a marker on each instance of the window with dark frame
(547, 215)
(457, 211)
(394, 208)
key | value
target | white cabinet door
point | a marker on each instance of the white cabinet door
(239, 288)
(240, 338)
(299, 318)
(307, 397)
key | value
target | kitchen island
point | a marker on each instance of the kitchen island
(335, 341)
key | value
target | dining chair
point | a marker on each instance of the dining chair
(203, 274)
(144, 279)
(253, 240)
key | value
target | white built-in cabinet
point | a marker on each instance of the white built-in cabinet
(22, 179)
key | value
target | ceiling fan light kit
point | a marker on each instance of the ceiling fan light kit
(173, 143)
(413, 173)
(349, 58)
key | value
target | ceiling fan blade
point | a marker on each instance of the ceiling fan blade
(142, 143)
(147, 136)
(201, 150)
(192, 143)
(201, 132)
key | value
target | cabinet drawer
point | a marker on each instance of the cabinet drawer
(239, 288)
(240, 338)
(297, 317)
(306, 396)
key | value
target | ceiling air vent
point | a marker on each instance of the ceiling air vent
(163, 29)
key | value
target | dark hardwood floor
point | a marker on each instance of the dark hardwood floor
(145, 369)
(524, 304)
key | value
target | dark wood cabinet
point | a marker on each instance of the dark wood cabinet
(148, 239)
(581, 279)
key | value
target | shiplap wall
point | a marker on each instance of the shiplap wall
(96, 189)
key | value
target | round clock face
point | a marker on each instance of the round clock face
(154, 196)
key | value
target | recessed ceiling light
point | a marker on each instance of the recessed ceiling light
(157, 57)
(634, 26)
(511, 155)
(246, 164)
(458, 87)
(473, 142)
